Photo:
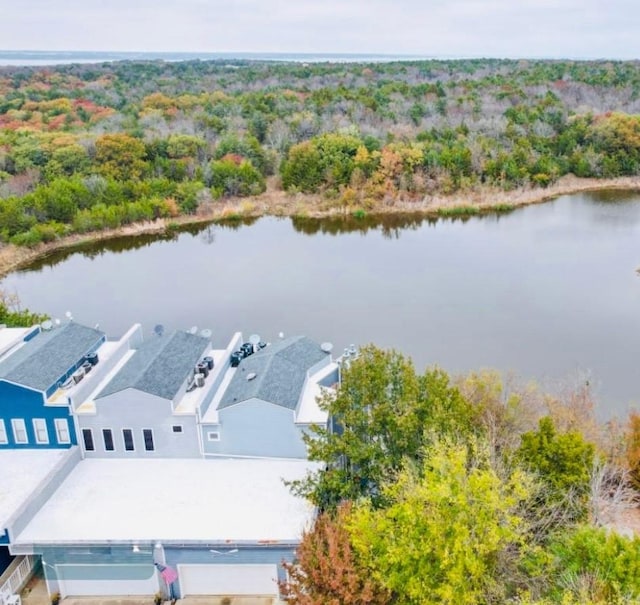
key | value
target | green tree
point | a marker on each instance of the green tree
(121, 157)
(13, 315)
(447, 530)
(603, 562)
(563, 462)
(382, 414)
(235, 176)
(327, 160)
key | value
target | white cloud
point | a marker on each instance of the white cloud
(577, 28)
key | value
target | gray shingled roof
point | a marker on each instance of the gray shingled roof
(280, 371)
(43, 360)
(160, 366)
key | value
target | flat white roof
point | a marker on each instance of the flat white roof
(10, 337)
(21, 472)
(309, 411)
(178, 500)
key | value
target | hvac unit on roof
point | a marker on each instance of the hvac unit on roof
(199, 380)
(78, 375)
(202, 368)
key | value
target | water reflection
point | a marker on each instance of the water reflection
(117, 245)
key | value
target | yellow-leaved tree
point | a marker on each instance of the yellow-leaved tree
(449, 531)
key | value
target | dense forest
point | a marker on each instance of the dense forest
(88, 147)
(468, 490)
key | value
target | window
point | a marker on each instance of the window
(177, 428)
(127, 436)
(213, 436)
(62, 430)
(87, 437)
(40, 429)
(147, 435)
(3, 433)
(107, 436)
(19, 430)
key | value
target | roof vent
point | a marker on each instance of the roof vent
(251, 375)
(326, 347)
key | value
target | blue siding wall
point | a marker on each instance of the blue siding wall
(20, 402)
(255, 428)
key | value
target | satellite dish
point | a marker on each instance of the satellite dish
(327, 347)
(254, 339)
(158, 330)
(57, 321)
(68, 315)
(206, 333)
(193, 330)
(46, 325)
(280, 334)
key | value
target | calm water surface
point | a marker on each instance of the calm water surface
(549, 291)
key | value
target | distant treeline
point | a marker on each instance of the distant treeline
(86, 147)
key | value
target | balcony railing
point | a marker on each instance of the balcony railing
(12, 581)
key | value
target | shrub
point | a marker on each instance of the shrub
(233, 176)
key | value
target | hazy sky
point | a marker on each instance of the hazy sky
(513, 28)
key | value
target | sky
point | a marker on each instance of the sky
(449, 28)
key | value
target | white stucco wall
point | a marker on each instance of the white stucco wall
(136, 410)
(255, 428)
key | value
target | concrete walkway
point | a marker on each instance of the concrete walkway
(35, 592)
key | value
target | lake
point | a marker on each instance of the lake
(548, 291)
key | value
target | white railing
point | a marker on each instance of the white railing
(16, 576)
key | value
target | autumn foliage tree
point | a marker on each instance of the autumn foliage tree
(121, 157)
(327, 570)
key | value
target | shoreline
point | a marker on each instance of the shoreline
(282, 204)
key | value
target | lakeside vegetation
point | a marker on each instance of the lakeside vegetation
(441, 490)
(86, 148)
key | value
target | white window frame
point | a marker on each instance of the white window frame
(144, 441)
(133, 440)
(4, 438)
(111, 437)
(40, 430)
(89, 432)
(213, 435)
(18, 426)
(62, 430)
